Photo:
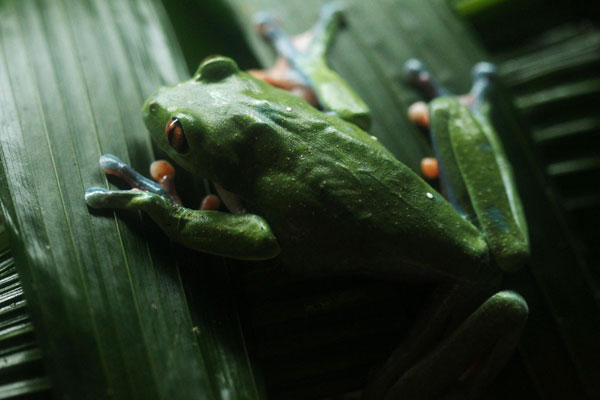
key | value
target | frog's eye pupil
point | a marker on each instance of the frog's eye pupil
(175, 136)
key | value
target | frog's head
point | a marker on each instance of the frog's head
(203, 123)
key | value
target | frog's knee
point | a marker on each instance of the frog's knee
(512, 308)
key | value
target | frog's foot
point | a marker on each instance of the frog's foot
(243, 236)
(286, 73)
(143, 190)
(417, 73)
(301, 66)
(313, 43)
(164, 174)
(283, 76)
(462, 364)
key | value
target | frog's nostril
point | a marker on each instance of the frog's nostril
(153, 108)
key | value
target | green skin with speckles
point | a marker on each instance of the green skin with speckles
(323, 185)
(329, 199)
(472, 159)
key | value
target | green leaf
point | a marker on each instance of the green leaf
(107, 293)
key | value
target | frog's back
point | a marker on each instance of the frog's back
(340, 202)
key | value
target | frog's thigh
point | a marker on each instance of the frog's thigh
(469, 359)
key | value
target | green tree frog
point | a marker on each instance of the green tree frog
(318, 191)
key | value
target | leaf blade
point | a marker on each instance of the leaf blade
(105, 291)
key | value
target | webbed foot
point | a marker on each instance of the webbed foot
(163, 186)
(483, 75)
(143, 189)
(301, 66)
(112, 165)
(244, 236)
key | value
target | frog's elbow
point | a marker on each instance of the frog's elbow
(260, 241)
(267, 244)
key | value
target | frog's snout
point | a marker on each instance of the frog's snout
(151, 112)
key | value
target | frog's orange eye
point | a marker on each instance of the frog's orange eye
(175, 136)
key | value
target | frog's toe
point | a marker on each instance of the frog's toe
(111, 164)
(419, 113)
(484, 70)
(95, 197)
(164, 174)
(413, 68)
(430, 167)
(210, 202)
(484, 74)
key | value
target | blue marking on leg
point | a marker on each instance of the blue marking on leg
(498, 218)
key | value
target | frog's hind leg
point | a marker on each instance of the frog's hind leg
(466, 361)
(306, 56)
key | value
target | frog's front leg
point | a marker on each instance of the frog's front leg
(242, 236)
(463, 363)
(306, 56)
